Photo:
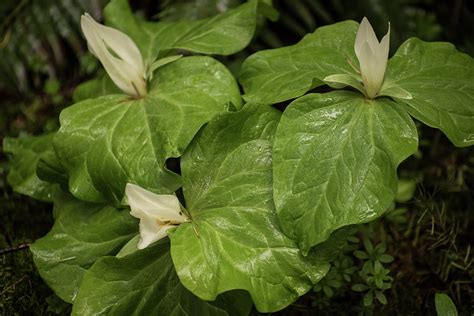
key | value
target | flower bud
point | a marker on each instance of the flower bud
(118, 54)
(372, 56)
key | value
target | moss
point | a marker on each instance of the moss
(22, 291)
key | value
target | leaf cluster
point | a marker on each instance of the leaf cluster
(271, 195)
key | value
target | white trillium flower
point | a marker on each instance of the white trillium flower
(373, 57)
(157, 213)
(118, 54)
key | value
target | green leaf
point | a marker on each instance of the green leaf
(369, 247)
(130, 247)
(335, 162)
(160, 63)
(386, 258)
(145, 283)
(369, 298)
(342, 80)
(359, 287)
(223, 34)
(381, 297)
(26, 152)
(378, 282)
(406, 190)
(444, 305)
(94, 88)
(281, 74)
(361, 254)
(336, 244)
(441, 82)
(106, 142)
(50, 168)
(396, 92)
(82, 233)
(234, 240)
(328, 291)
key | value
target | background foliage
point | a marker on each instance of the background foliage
(396, 264)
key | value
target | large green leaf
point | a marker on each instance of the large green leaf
(82, 233)
(94, 88)
(26, 153)
(234, 240)
(335, 162)
(441, 81)
(145, 283)
(109, 141)
(281, 74)
(223, 34)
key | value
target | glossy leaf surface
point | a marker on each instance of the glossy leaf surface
(285, 73)
(145, 283)
(234, 240)
(109, 141)
(335, 162)
(441, 82)
(223, 34)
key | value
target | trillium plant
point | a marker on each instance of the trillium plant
(176, 195)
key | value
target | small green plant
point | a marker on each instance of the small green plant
(355, 270)
(341, 272)
(376, 280)
(373, 254)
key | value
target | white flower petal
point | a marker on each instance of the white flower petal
(162, 207)
(385, 44)
(367, 61)
(123, 75)
(120, 43)
(365, 33)
(151, 231)
(382, 54)
(372, 56)
(125, 68)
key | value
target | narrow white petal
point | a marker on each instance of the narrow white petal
(365, 34)
(162, 207)
(120, 43)
(116, 68)
(385, 44)
(151, 231)
(372, 56)
(367, 61)
(124, 73)
(382, 54)
(94, 42)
